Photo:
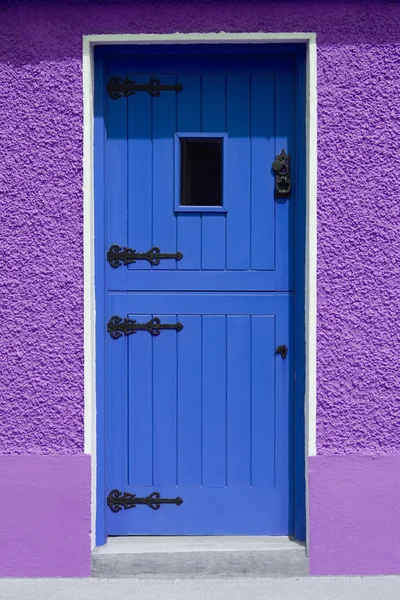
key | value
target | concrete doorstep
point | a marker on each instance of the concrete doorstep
(200, 557)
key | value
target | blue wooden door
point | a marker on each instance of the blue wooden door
(200, 415)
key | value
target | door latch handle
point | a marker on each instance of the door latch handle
(281, 169)
(282, 350)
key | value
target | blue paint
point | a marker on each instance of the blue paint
(177, 158)
(223, 465)
(262, 250)
(139, 231)
(101, 312)
(300, 342)
(207, 413)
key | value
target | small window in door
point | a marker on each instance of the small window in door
(199, 171)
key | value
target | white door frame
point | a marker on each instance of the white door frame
(89, 42)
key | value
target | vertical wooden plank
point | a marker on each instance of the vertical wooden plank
(189, 224)
(164, 404)
(164, 126)
(140, 406)
(189, 401)
(116, 231)
(263, 432)
(117, 168)
(100, 168)
(238, 180)
(213, 116)
(239, 394)
(214, 401)
(117, 400)
(139, 172)
(262, 180)
(284, 443)
(285, 209)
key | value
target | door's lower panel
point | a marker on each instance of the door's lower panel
(203, 412)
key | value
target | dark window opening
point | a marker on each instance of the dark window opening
(201, 171)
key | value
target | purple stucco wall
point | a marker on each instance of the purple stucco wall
(41, 291)
(41, 280)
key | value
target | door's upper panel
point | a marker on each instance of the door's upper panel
(244, 242)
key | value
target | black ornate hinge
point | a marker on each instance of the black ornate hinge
(117, 326)
(118, 255)
(281, 169)
(282, 350)
(118, 88)
(117, 500)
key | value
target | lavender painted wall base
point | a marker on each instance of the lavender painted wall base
(354, 515)
(45, 516)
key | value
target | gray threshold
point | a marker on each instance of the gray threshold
(201, 557)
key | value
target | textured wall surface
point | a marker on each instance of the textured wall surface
(354, 507)
(41, 280)
(45, 516)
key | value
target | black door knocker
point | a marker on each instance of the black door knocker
(281, 169)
